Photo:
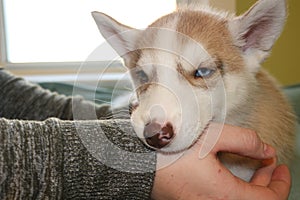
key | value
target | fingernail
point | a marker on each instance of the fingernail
(269, 151)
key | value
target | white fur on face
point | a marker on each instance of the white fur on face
(171, 98)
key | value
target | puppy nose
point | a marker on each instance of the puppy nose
(157, 136)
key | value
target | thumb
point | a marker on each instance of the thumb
(281, 181)
(241, 141)
(278, 189)
(263, 175)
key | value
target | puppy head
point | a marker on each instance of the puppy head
(192, 66)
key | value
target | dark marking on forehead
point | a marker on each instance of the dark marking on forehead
(202, 26)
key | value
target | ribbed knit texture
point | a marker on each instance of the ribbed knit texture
(31, 160)
(55, 159)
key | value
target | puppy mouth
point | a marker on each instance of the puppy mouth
(201, 134)
(160, 150)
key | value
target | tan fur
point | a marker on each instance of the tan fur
(270, 115)
(273, 116)
(212, 32)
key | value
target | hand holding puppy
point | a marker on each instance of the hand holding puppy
(193, 178)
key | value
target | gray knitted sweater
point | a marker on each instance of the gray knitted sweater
(56, 159)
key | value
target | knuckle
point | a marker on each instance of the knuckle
(251, 140)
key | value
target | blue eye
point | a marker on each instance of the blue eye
(203, 72)
(142, 76)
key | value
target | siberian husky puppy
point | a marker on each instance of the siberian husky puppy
(198, 65)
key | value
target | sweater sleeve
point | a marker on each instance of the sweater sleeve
(58, 159)
(20, 99)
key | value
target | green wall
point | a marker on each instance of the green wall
(283, 62)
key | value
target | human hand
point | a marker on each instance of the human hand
(192, 178)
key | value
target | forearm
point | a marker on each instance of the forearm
(117, 161)
(23, 100)
(50, 160)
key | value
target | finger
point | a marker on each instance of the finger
(242, 141)
(281, 182)
(278, 189)
(262, 176)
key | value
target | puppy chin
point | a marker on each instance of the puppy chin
(178, 145)
(184, 141)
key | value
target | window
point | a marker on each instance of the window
(63, 30)
(48, 40)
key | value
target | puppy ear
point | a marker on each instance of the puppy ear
(122, 38)
(256, 31)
